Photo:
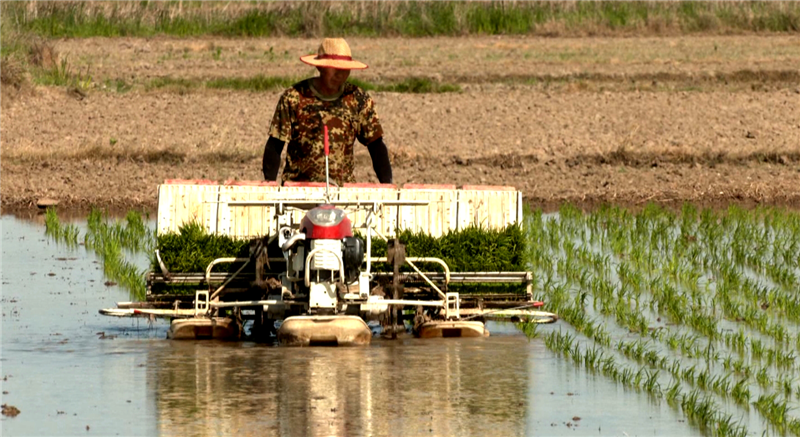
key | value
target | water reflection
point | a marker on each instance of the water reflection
(410, 387)
(138, 383)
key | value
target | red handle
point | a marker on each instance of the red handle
(327, 149)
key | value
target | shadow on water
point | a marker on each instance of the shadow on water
(67, 368)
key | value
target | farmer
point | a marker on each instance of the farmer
(326, 100)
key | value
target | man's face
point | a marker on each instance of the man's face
(333, 78)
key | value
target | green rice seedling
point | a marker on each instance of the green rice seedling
(467, 250)
(688, 344)
(703, 379)
(592, 357)
(562, 342)
(626, 376)
(721, 384)
(773, 409)
(192, 249)
(756, 348)
(709, 353)
(651, 383)
(110, 240)
(786, 383)
(743, 369)
(530, 329)
(609, 368)
(785, 359)
(725, 426)
(794, 426)
(778, 332)
(688, 375)
(638, 377)
(741, 392)
(696, 409)
(652, 358)
(737, 342)
(673, 392)
(763, 378)
(109, 246)
(675, 368)
(132, 234)
(704, 324)
(60, 233)
(52, 225)
(681, 298)
(575, 353)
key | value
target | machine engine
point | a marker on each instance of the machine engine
(328, 259)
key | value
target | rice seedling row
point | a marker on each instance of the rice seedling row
(699, 309)
(112, 241)
(612, 274)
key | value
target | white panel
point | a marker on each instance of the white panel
(487, 206)
(180, 203)
(247, 221)
(385, 219)
(447, 208)
(305, 193)
(435, 218)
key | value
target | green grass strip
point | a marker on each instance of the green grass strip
(259, 83)
(396, 18)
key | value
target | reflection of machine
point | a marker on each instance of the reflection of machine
(451, 387)
(314, 277)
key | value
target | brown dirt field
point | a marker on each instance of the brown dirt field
(464, 59)
(588, 141)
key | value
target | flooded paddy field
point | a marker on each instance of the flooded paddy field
(671, 324)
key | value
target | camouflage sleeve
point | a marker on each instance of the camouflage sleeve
(370, 124)
(281, 126)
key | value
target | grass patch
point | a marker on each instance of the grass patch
(177, 84)
(415, 85)
(255, 83)
(397, 18)
(27, 55)
(272, 83)
(119, 86)
(61, 74)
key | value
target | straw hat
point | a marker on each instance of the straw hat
(334, 53)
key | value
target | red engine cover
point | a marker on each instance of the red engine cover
(336, 231)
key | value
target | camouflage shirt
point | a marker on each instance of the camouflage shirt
(299, 120)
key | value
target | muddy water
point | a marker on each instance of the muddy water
(64, 376)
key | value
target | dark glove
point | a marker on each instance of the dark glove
(272, 158)
(380, 160)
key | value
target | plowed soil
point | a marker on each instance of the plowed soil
(710, 120)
